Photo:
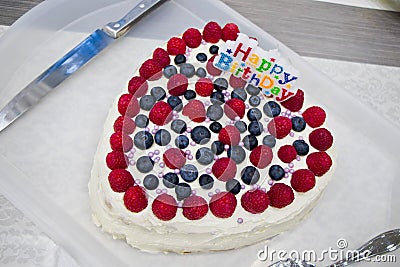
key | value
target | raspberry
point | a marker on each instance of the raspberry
(295, 103)
(204, 87)
(120, 180)
(195, 110)
(229, 135)
(192, 37)
(120, 141)
(319, 163)
(212, 32)
(280, 195)
(236, 82)
(174, 158)
(128, 105)
(160, 113)
(230, 32)
(302, 180)
(177, 84)
(287, 153)
(255, 201)
(321, 139)
(261, 156)
(138, 86)
(314, 116)
(280, 127)
(195, 208)
(116, 160)
(162, 57)
(164, 207)
(150, 70)
(176, 46)
(211, 69)
(224, 169)
(234, 108)
(135, 199)
(124, 124)
(223, 204)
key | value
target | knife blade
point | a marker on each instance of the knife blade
(72, 61)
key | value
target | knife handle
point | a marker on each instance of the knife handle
(118, 28)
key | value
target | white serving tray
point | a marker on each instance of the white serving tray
(46, 156)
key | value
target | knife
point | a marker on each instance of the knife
(72, 61)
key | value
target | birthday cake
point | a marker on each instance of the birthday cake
(213, 146)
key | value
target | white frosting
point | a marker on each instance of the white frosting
(146, 232)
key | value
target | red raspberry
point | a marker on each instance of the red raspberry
(211, 69)
(162, 57)
(120, 141)
(224, 169)
(280, 127)
(164, 207)
(150, 70)
(295, 103)
(128, 105)
(230, 32)
(223, 204)
(287, 153)
(229, 135)
(138, 86)
(303, 180)
(116, 160)
(261, 156)
(234, 108)
(177, 84)
(236, 82)
(314, 116)
(321, 139)
(280, 195)
(192, 37)
(212, 32)
(204, 87)
(176, 46)
(195, 208)
(255, 201)
(319, 163)
(160, 113)
(174, 158)
(124, 124)
(195, 110)
(135, 199)
(120, 180)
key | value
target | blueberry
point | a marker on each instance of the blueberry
(250, 175)
(233, 186)
(151, 182)
(239, 93)
(236, 153)
(143, 140)
(255, 128)
(175, 103)
(252, 90)
(215, 127)
(169, 71)
(147, 102)
(188, 70)
(182, 191)
(217, 98)
(254, 101)
(200, 135)
(269, 140)
(221, 84)
(178, 126)
(217, 147)
(254, 114)
(241, 126)
(250, 142)
(215, 112)
(272, 109)
(214, 49)
(201, 57)
(189, 94)
(144, 164)
(201, 72)
(179, 59)
(206, 181)
(170, 180)
(141, 121)
(182, 141)
(276, 172)
(302, 148)
(204, 156)
(298, 124)
(189, 173)
(162, 137)
(158, 92)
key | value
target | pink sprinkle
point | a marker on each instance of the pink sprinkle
(207, 119)
(291, 171)
(164, 191)
(247, 106)
(241, 144)
(291, 134)
(243, 186)
(227, 94)
(206, 103)
(240, 220)
(226, 147)
(187, 54)
(156, 127)
(176, 171)
(210, 194)
(298, 158)
(255, 186)
(190, 157)
(162, 165)
(286, 170)
(158, 191)
(132, 162)
(188, 152)
(156, 152)
(160, 175)
(217, 191)
(224, 91)
(174, 112)
(270, 182)
(189, 49)
(180, 204)
(301, 138)
(216, 157)
(208, 171)
(237, 118)
(174, 117)
(226, 99)
(147, 129)
(169, 146)
(177, 116)
(300, 112)
(133, 150)
(137, 181)
(291, 165)
(265, 130)
(193, 143)
(130, 155)
(203, 42)
(264, 189)
(157, 159)
(188, 129)
(153, 131)
(286, 175)
(266, 119)
(150, 154)
(194, 192)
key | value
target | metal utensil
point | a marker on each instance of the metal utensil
(72, 61)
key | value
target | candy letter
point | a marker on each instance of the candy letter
(285, 95)
(246, 53)
(276, 90)
(246, 73)
(262, 67)
(287, 80)
(254, 80)
(276, 69)
(268, 85)
(224, 62)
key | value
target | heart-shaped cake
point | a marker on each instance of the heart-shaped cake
(212, 146)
